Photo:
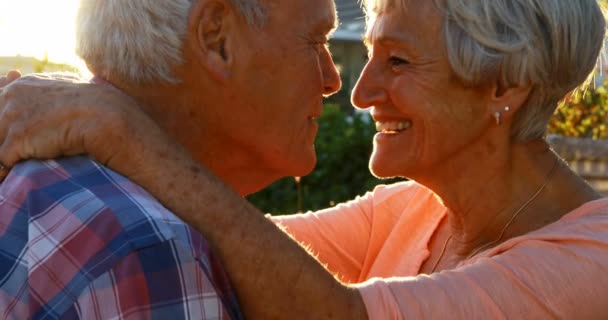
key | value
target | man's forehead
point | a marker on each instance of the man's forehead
(314, 17)
(319, 11)
(326, 17)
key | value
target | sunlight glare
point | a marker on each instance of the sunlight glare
(38, 27)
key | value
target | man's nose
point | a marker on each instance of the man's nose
(331, 77)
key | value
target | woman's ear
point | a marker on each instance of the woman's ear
(507, 101)
(211, 22)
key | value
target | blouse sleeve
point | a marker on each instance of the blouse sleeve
(337, 236)
(555, 275)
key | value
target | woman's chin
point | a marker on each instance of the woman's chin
(381, 170)
(389, 165)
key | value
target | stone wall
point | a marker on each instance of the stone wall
(587, 157)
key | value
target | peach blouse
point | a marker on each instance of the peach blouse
(379, 242)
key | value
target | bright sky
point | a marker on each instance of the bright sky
(33, 27)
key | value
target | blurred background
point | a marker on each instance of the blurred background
(38, 36)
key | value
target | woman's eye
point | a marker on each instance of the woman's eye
(395, 61)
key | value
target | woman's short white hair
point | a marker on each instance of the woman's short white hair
(552, 45)
(140, 41)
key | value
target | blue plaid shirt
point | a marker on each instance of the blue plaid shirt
(79, 241)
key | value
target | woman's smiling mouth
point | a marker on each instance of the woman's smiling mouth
(392, 126)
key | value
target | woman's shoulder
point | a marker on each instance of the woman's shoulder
(581, 229)
(588, 220)
(401, 191)
(596, 208)
(406, 200)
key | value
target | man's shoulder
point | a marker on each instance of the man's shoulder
(84, 193)
(59, 174)
(65, 223)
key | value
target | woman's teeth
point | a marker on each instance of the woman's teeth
(392, 126)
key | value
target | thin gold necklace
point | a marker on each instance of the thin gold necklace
(502, 232)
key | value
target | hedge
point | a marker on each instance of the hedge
(343, 145)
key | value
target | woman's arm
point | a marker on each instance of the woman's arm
(273, 276)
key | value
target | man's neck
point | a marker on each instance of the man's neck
(168, 107)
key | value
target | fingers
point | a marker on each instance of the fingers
(21, 143)
(44, 118)
(4, 125)
(9, 77)
(66, 76)
(3, 122)
(9, 115)
(9, 137)
(60, 76)
(3, 172)
(13, 75)
(6, 162)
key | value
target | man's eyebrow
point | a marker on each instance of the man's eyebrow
(328, 25)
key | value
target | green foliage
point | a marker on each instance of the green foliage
(583, 114)
(30, 64)
(343, 146)
(41, 65)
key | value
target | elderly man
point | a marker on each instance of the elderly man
(80, 241)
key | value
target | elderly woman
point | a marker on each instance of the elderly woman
(492, 225)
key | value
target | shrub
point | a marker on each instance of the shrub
(583, 114)
(343, 145)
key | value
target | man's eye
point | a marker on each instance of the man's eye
(320, 45)
(395, 61)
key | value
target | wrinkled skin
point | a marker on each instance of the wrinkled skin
(150, 158)
(29, 131)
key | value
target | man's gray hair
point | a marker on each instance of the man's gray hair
(140, 41)
(552, 45)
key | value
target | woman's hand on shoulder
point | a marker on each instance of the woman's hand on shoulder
(49, 116)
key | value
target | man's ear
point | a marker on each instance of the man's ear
(508, 101)
(212, 22)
